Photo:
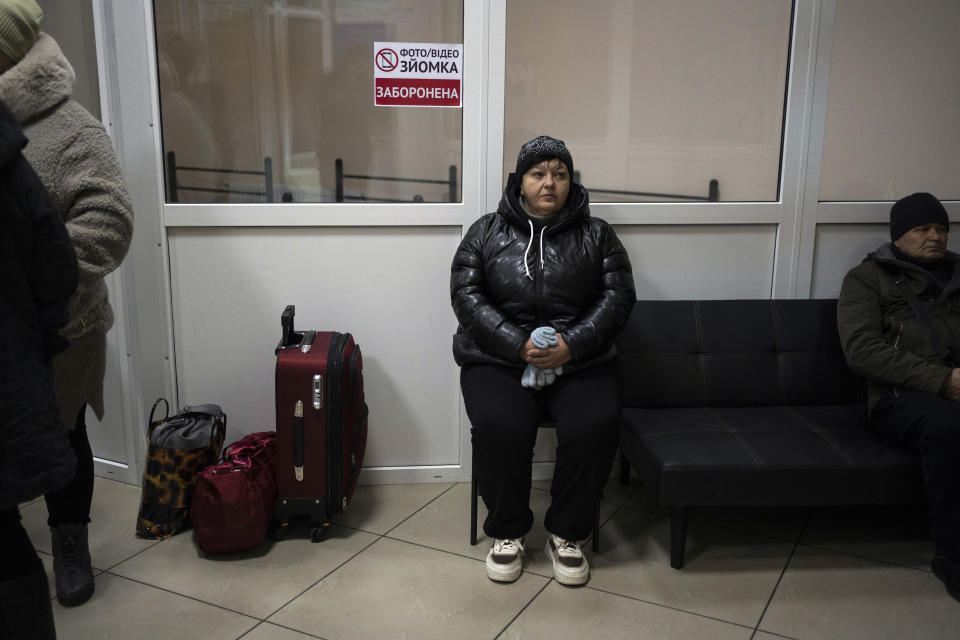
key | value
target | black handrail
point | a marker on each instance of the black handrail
(451, 181)
(713, 192)
(174, 185)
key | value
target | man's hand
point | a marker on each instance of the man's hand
(549, 358)
(951, 386)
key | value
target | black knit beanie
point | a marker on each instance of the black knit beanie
(913, 211)
(543, 148)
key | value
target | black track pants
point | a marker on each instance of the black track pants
(585, 406)
(71, 503)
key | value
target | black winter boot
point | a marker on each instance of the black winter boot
(71, 563)
(25, 609)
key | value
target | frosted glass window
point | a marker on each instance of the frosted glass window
(654, 98)
(271, 93)
(893, 107)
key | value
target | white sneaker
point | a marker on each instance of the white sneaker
(569, 564)
(505, 559)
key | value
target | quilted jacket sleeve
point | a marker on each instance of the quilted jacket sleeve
(596, 329)
(486, 325)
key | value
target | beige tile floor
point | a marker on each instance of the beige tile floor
(399, 565)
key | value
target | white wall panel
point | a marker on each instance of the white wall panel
(387, 286)
(840, 247)
(71, 25)
(700, 262)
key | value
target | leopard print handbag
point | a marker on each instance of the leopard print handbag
(178, 449)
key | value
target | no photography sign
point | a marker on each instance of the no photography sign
(417, 74)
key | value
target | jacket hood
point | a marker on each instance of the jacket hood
(574, 211)
(39, 82)
(12, 139)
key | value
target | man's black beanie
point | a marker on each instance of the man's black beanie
(543, 148)
(914, 210)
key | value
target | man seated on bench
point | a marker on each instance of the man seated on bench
(899, 322)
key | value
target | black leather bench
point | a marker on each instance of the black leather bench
(749, 402)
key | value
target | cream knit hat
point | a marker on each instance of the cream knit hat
(19, 27)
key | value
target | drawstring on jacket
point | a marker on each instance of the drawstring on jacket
(526, 252)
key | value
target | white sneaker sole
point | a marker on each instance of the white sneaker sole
(565, 575)
(500, 573)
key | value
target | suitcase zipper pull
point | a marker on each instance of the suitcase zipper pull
(298, 441)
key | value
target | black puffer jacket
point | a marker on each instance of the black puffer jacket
(502, 288)
(38, 272)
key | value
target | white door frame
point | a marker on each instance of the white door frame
(129, 94)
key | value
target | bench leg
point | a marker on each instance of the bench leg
(678, 536)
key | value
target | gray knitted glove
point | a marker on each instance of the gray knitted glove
(541, 380)
(529, 378)
(544, 337)
(549, 375)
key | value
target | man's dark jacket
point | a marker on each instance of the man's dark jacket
(38, 268)
(883, 340)
(502, 288)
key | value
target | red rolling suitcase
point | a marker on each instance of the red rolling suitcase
(321, 425)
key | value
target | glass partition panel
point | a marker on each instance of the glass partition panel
(658, 100)
(273, 101)
(892, 125)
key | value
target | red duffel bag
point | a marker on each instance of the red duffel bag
(233, 502)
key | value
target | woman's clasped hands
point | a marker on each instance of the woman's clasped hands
(545, 353)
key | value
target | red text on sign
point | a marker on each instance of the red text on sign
(417, 92)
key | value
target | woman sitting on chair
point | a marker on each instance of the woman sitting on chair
(541, 289)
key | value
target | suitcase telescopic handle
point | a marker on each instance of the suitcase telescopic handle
(286, 322)
(289, 339)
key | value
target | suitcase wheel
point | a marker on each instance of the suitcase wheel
(319, 532)
(279, 530)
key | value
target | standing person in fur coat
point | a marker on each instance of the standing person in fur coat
(72, 154)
